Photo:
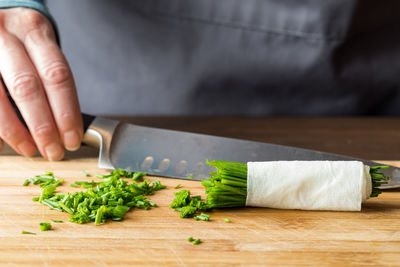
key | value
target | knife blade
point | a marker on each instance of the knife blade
(182, 155)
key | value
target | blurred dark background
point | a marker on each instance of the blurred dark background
(233, 57)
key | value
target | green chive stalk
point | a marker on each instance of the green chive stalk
(227, 187)
(378, 179)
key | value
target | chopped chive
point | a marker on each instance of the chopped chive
(227, 220)
(202, 217)
(85, 184)
(190, 239)
(178, 186)
(85, 173)
(44, 226)
(64, 207)
(138, 176)
(189, 176)
(27, 233)
(27, 182)
(99, 215)
(57, 221)
(196, 242)
(187, 205)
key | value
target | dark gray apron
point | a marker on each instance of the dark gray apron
(254, 57)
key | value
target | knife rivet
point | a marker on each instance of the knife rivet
(164, 165)
(181, 167)
(147, 162)
(198, 168)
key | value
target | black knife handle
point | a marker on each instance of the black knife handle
(87, 120)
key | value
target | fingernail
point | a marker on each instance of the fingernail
(72, 140)
(54, 152)
(26, 148)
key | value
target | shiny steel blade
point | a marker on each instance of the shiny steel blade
(183, 155)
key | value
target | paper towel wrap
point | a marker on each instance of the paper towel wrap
(308, 185)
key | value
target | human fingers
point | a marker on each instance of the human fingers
(57, 80)
(11, 129)
(25, 87)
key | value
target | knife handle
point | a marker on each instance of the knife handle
(87, 120)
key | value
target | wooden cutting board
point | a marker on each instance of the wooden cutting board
(256, 236)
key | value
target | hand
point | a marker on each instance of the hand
(40, 81)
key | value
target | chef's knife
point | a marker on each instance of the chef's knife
(182, 155)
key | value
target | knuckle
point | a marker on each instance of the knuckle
(67, 117)
(42, 35)
(9, 134)
(43, 131)
(67, 120)
(33, 18)
(25, 86)
(56, 73)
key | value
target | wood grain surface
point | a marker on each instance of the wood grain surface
(255, 237)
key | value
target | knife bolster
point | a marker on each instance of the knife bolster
(99, 135)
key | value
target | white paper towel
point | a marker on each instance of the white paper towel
(308, 185)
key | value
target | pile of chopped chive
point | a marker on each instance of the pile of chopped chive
(227, 187)
(111, 198)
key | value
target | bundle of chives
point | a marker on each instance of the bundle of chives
(227, 187)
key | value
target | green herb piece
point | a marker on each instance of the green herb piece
(190, 239)
(378, 179)
(196, 242)
(188, 211)
(227, 220)
(57, 221)
(73, 185)
(80, 218)
(138, 176)
(110, 198)
(189, 176)
(178, 186)
(182, 198)
(86, 184)
(44, 226)
(27, 233)
(187, 205)
(202, 217)
(85, 173)
(122, 173)
(27, 182)
(99, 215)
